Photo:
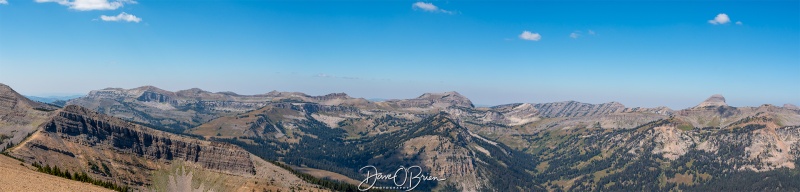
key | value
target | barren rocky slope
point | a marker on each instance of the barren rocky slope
(79, 140)
(19, 116)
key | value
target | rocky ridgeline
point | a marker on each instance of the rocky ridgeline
(190, 108)
(19, 116)
(577, 109)
(11, 101)
(81, 126)
(434, 100)
(332, 96)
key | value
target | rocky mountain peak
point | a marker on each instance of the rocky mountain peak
(149, 88)
(192, 92)
(716, 100)
(790, 106)
(4, 88)
(10, 99)
(452, 98)
(443, 94)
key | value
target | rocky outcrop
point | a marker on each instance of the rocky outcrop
(713, 101)
(332, 96)
(79, 139)
(434, 100)
(89, 128)
(577, 109)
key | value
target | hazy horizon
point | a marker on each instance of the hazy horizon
(641, 54)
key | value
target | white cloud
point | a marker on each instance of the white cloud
(425, 6)
(429, 7)
(574, 35)
(4, 2)
(578, 34)
(88, 5)
(739, 22)
(527, 35)
(721, 18)
(121, 17)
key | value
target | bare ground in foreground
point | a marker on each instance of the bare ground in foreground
(16, 177)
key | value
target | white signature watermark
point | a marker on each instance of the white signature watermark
(404, 178)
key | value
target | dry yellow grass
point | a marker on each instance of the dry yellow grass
(16, 177)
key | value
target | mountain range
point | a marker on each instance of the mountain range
(147, 138)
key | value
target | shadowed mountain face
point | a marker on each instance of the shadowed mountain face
(514, 147)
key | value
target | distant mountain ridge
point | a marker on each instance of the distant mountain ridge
(185, 109)
(513, 147)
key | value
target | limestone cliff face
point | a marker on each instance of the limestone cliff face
(107, 147)
(79, 124)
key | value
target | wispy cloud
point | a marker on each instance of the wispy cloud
(429, 7)
(527, 35)
(721, 18)
(121, 17)
(323, 75)
(89, 5)
(4, 2)
(578, 33)
(739, 23)
(574, 35)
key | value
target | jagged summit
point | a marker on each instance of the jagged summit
(716, 100)
(790, 106)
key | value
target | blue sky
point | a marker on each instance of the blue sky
(639, 53)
